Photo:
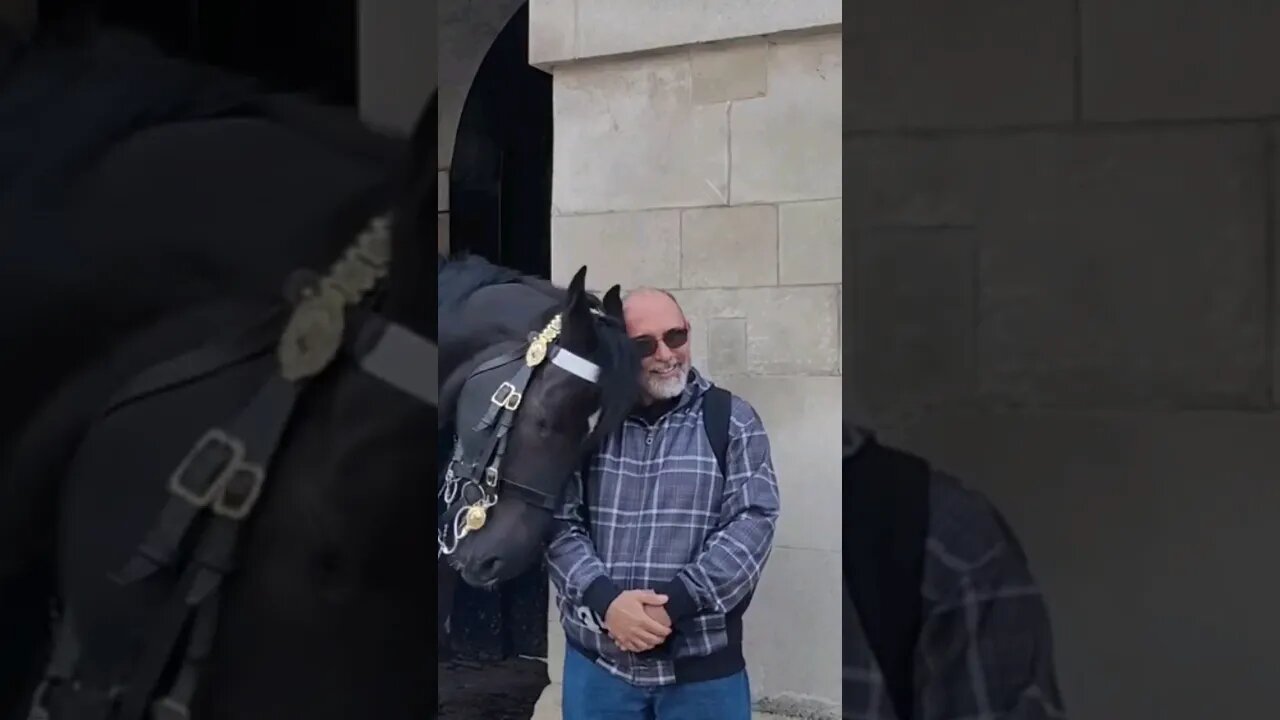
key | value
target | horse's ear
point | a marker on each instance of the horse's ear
(613, 302)
(577, 297)
(578, 285)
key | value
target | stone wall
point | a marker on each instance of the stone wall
(1063, 262)
(698, 152)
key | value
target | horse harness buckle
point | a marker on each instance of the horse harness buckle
(230, 488)
(200, 486)
(506, 396)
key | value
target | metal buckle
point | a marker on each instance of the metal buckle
(509, 400)
(214, 438)
(240, 491)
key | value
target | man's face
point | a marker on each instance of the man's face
(656, 323)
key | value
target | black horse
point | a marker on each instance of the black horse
(226, 509)
(566, 397)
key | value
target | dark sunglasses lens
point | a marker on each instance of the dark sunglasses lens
(646, 346)
(675, 339)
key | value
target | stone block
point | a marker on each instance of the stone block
(726, 346)
(802, 416)
(840, 326)
(631, 249)
(730, 71)
(611, 27)
(442, 233)
(914, 317)
(784, 654)
(555, 641)
(790, 330)
(1274, 242)
(809, 243)
(935, 63)
(787, 144)
(729, 246)
(1149, 533)
(629, 137)
(1181, 59)
(553, 31)
(913, 181)
(1125, 269)
(548, 705)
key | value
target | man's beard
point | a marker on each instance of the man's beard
(660, 388)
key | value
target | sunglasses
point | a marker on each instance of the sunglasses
(673, 339)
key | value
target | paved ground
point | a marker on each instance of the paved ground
(504, 690)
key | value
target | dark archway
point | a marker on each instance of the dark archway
(500, 208)
(500, 177)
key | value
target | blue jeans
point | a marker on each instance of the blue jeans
(591, 693)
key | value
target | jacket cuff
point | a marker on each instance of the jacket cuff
(600, 595)
(680, 602)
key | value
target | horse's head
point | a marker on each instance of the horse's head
(526, 417)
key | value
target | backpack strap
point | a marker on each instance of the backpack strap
(717, 407)
(886, 521)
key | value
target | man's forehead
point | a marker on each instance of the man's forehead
(647, 307)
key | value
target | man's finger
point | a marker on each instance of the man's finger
(649, 597)
(653, 626)
(647, 638)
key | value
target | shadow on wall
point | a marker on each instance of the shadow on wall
(1078, 319)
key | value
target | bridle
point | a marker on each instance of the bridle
(213, 491)
(494, 391)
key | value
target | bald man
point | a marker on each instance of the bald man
(662, 540)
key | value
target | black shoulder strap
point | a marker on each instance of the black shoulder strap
(717, 406)
(886, 521)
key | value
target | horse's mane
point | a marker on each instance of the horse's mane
(462, 276)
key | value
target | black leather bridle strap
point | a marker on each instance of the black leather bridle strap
(260, 425)
(531, 496)
(177, 704)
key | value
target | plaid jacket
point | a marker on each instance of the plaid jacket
(986, 650)
(659, 516)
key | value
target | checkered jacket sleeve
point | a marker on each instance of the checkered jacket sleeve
(735, 553)
(986, 648)
(573, 564)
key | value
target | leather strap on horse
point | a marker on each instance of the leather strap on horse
(226, 470)
(311, 341)
(258, 428)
